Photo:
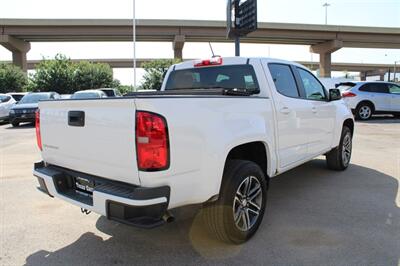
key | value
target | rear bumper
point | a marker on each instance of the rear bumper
(122, 202)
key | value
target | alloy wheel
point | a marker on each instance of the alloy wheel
(365, 112)
(247, 203)
(346, 149)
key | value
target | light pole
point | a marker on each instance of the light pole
(134, 45)
(326, 5)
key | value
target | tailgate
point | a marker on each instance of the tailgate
(102, 145)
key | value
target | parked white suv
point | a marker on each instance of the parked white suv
(368, 98)
(214, 134)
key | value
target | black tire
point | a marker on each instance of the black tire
(364, 111)
(336, 158)
(15, 124)
(219, 215)
(396, 115)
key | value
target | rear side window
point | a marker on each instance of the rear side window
(375, 87)
(229, 77)
(284, 80)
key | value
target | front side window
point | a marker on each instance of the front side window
(313, 88)
(394, 89)
(284, 80)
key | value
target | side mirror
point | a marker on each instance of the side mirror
(335, 94)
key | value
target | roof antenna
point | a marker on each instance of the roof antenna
(212, 51)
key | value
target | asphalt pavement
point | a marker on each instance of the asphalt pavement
(314, 216)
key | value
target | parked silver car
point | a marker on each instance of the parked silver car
(89, 94)
(6, 102)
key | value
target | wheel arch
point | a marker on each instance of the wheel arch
(366, 102)
(255, 151)
(350, 124)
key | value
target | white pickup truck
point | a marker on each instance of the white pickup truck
(214, 134)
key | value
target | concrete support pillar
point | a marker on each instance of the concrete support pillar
(19, 49)
(177, 45)
(325, 65)
(363, 76)
(19, 59)
(325, 50)
(382, 76)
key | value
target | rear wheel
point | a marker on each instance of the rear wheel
(239, 210)
(364, 111)
(15, 124)
(339, 158)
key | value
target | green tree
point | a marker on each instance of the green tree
(155, 72)
(124, 89)
(12, 78)
(93, 76)
(54, 75)
(64, 76)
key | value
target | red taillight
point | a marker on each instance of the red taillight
(37, 126)
(152, 145)
(348, 94)
(215, 61)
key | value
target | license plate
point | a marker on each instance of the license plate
(84, 185)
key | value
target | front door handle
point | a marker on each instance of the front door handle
(314, 109)
(285, 110)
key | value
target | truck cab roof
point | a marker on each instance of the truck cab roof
(234, 61)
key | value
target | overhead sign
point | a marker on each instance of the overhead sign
(241, 17)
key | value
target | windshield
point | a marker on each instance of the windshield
(227, 77)
(345, 86)
(86, 95)
(17, 97)
(34, 97)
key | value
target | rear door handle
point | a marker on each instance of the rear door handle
(314, 109)
(285, 110)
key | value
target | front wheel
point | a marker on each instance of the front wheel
(15, 124)
(339, 158)
(239, 210)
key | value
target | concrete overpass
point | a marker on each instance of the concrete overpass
(364, 69)
(16, 35)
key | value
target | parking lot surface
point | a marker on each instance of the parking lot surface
(314, 216)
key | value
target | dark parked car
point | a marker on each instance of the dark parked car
(25, 110)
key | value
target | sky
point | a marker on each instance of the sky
(379, 13)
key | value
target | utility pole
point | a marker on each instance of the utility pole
(326, 5)
(134, 45)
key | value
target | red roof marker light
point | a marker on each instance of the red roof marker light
(215, 61)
